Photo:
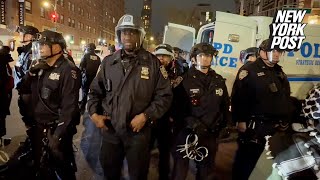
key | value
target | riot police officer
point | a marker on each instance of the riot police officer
(130, 90)
(179, 62)
(54, 84)
(162, 130)
(248, 55)
(27, 35)
(260, 102)
(6, 86)
(204, 98)
(111, 49)
(89, 66)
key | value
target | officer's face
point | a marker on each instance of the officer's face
(272, 57)
(25, 39)
(164, 59)
(204, 59)
(45, 50)
(130, 39)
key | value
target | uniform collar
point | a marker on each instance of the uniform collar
(59, 61)
(261, 64)
(119, 55)
(194, 71)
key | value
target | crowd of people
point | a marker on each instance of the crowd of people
(135, 97)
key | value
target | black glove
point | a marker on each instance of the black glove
(54, 143)
(35, 67)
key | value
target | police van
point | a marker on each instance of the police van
(231, 33)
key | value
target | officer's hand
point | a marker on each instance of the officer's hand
(242, 126)
(99, 120)
(35, 67)
(200, 129)
(54, 144)
(171, 119)
(138, 122)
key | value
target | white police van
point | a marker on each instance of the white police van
(231, 33)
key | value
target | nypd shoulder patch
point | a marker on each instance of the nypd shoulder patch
(164, 72)
(176, 82)
(243, 74)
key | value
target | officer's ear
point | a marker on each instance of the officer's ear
(193, 60)
(56, 48)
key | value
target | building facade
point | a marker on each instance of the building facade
(80, 21)
(146, 15)
(269, 8)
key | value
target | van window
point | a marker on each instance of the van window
(207, 36)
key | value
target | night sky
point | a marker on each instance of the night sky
(134, 7)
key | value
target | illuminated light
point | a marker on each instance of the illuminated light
(313, 21)
(67, 38)
(46, 4)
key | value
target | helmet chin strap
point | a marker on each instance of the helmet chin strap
(52, 55)
(204, 67)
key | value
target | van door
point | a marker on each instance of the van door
(179, 36)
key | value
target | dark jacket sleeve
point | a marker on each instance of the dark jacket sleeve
(97, 91)
(180, 106)
(83, 63)
(226, 114)
(162, 96)
(240, 98)
(69, 100)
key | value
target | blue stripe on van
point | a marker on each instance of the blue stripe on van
(298, 79)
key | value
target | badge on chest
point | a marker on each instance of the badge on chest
(144, 73)
(194, 97)
(219, 91)
(273, 87)
(54, 76)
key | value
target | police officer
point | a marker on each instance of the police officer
(6, 85)
(248, 55)
(89, 66)
(130, 90)
(54, 84)
(204, 98)
(27, 35)
(179, 62)
(260, 102)
(162, 130)
(112, 49)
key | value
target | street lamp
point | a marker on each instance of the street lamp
(150, 39)
(47, 4)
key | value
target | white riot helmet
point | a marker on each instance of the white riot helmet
(128, 22)
(164, 49)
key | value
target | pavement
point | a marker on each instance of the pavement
(16, 131)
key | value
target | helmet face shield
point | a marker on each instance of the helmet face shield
(130, 38)
(36, 51)
(203, 60)
(127, 27)
(164, 49)
(274, 56)
(40, 50)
